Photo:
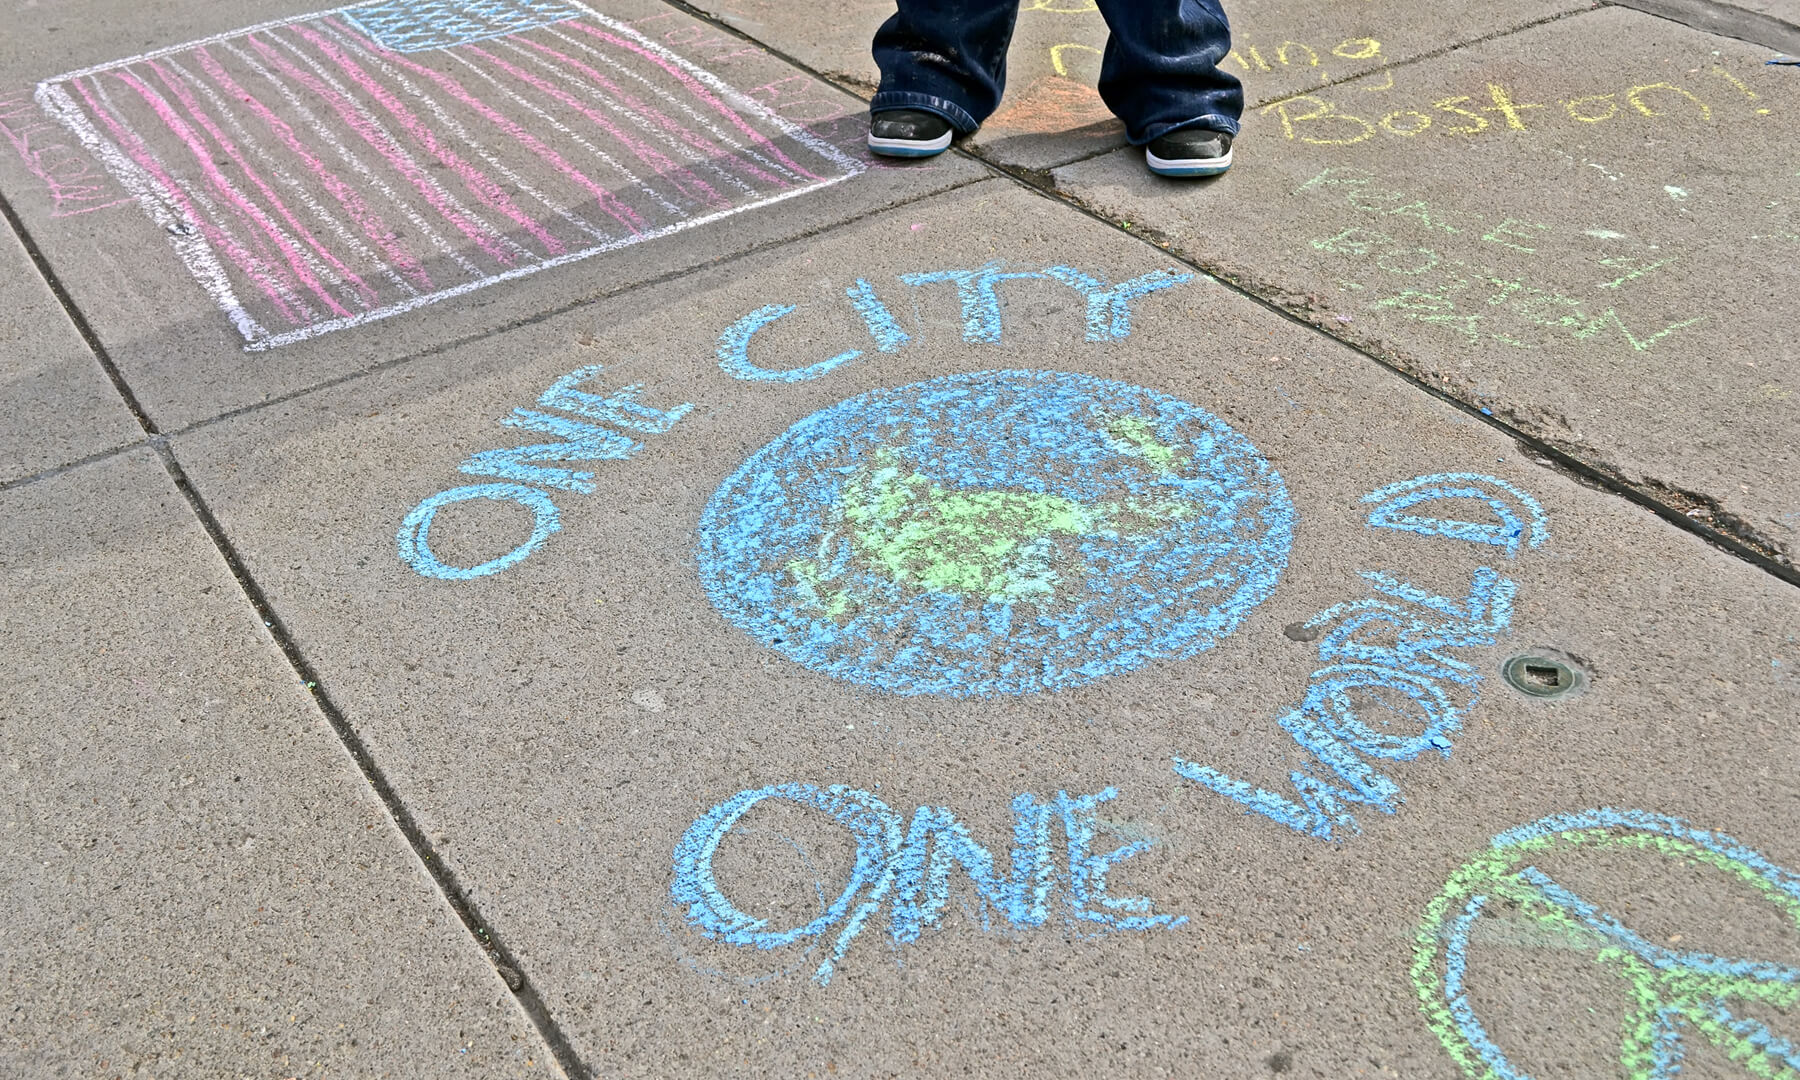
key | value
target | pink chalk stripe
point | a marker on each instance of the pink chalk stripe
(258, 230)
(252, 267)
(689, 184)
(477, 231)
(360, 212)
(696, 88)
(478, 182)
(668, 123)
(607, 201)
(222, 185)
(205, 119)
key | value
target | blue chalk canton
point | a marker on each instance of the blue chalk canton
(1002, 532)
(421, 25)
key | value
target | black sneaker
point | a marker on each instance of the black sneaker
(908, 133)
(1189, 152)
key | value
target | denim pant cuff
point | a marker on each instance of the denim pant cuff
(910, 99)
(1211, 122)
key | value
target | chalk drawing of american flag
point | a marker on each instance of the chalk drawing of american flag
(329, 170)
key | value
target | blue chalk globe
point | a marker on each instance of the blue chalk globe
(1001, 532)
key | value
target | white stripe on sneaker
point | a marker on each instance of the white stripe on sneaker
(1210, 166)
(910, 146)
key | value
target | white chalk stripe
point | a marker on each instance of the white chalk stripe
(184, 236)
(723, 137)
(293, 336)
(254, 250)
(685, 103)
(262, 235)
(743, 101)
(203, 263)
(734, 95)
(398, 145)
(292, 185)
(457, 131)
(649, 130)
(272, 24)
(323, 131)
(573, 136)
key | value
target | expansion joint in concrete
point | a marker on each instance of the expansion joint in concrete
(1725, 20)
(76, 318)
(1417, 59)
(551, 313)
(1689, 511)
(441, 875)
(91, 459)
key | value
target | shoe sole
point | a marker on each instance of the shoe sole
(910, 147)
(1187, 166)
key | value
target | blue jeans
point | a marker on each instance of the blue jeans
(1160, 72)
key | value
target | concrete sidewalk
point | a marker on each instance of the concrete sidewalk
(528, 552)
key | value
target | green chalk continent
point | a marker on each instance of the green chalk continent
(1135, 436)
(1656, 996)
(991, 543)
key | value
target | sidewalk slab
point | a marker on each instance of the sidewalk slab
(1052, 114)
(614, 651)
(1610, 265)
(197, 882)
(1772, 23)
(270, 206)
(56, 405)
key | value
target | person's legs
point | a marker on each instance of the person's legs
(945, 57)
(1160, 74)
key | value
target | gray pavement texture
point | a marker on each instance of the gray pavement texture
(198, 882)
(1774, 23)
(526, 552)
(58, 406)
(1052, 114)
(1600, 249)
(184, 361)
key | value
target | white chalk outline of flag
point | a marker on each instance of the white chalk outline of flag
(204, 265)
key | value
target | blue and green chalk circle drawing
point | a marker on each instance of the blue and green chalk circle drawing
(1001, 532)
(1672, 997)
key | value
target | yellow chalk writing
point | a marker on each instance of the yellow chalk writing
(1360, 195)
(1499, 109)
(1635, 96)
(1582, 109)
(1459, 294)
(1323, 112)
(1505, 106)
(1732, 79)
(1281, 53)
(1415, 126)
(1633, 268)
(1301, 54)
(1357, 49)
(1422, 210)
(1056, 54)
(1453, 105)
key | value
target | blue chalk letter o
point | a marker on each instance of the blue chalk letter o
(414, 538)
(875, 827)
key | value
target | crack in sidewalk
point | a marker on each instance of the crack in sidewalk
(505, 964)
(1695, 512)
